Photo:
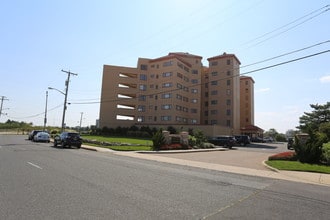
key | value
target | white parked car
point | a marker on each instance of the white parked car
(42, 137)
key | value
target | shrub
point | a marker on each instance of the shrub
(288, 155)
(158, 140)
(311, 151)
(326, 152)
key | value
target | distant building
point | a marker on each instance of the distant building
(177, 90)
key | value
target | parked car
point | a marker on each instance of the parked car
(268, 140)
(226, 141)
(290, 143)
(68, 139)
(243, 140)
(32, 133)
(42, 137)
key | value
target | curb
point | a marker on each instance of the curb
(269, 167)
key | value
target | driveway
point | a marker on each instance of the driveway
(251, 156)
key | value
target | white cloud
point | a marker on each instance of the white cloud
(325, 79)
(263, 90)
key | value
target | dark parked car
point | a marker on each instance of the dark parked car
(226, 141)
(68, 139)
(32, 134)
(290, 143)
(242, 140)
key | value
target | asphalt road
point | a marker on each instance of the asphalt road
(38, 181)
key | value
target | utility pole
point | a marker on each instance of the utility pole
(81, 115)
(66, 96)
(3, 98)
(45, 120)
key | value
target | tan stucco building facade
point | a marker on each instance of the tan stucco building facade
(177, 90)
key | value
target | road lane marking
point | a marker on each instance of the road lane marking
(32, 164)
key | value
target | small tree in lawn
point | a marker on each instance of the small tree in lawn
(158, 140)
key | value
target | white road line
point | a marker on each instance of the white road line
(32, 164)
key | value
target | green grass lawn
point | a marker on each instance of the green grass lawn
(298, 166)
(144, 144)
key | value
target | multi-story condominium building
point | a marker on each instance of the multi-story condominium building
(175, 90)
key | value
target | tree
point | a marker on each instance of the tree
(271, 133)
(316, 124)
(313, 120)
(158, 140)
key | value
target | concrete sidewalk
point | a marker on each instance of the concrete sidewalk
(264, 171)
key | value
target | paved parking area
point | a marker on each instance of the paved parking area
(234, 157)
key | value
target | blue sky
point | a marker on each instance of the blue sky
(40, 38)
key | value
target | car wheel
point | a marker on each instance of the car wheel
(79, 146)
(63, 144)
(55, 143)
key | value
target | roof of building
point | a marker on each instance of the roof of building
(252, 128)
(171, 56)
(246, 77)
(187, 55)
(224, 55)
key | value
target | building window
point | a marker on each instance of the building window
(228, 62)
(143, 87)
(228, 73)
(214, 92)
(168, 63)
(228, 92)
(214, 83)
(142, 98)
(214, 63)
(166, 107)
(206, 85)
(194, 81)
(206, 104)
(228, 112)
(214, 102)
(141, 108)
(186, 69)
(143, 77)
(167, 95)
(228, 82)
(247, 83)
(214, 122)
(185, 99)
(206, 94)
(194, 91)
(194, 72)
(143, 67)
(206, 113)
(179, 96)
(193, 121)
(193, 100)
(166, 118)
(179, 86)
(228, 123)
(166, 85)
(228, 102)
(193, 110)
(140, 119)
(179, 75)
(214, 73)
(214, 112)
(167, 74)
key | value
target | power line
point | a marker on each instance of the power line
(326, 8)
(285, 54)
